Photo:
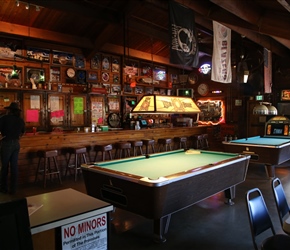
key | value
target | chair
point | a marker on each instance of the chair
(15, 225)
(135, 145)
(281, 204)
(260, 222)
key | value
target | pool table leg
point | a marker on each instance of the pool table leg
(270, 170)
(161, 228)
(230, 194)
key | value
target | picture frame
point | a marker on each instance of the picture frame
(115, 89)
(96, 61)
(106, 62)
(146, 69)
(55, 74)
(128, 89)
(285, 95)
(6, 79)
(81, 76)
(115, 64)
(62, 58)
(116, 78)
(80, 61)
(139, 90)
(149, 91)
(42, 55)
(131, 67)
(35, 75)
(92, 76)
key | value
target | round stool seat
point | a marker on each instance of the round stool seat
(47, 153)
(147, 143)
(181, 141)
(164, 143)
(122, 147)
(137, 144)
(104, 148)
(197, 141)
(80, 150)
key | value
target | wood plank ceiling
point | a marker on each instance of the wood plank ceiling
(139, 28)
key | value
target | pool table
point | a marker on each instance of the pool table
(157, 185)
(268, 150)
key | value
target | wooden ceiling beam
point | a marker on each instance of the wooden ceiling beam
(40, 34)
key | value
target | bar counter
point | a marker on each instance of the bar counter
(30, 143)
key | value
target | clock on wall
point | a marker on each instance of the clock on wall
(203, 89)
(70, 72)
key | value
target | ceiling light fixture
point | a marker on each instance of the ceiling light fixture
(17, 3)
(37, 8)
(27, 6)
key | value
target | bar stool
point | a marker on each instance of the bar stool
(147, 143)
(205, 141)
(164, 143)
(106, 148)
(122, 148)
(79, 157)
(136, 145)
(197, 141)
(181, 142)
(47, 156)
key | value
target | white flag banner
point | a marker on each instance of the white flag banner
(221, 59)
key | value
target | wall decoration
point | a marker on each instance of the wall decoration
(162, 92)
(146, 69)
(116, 89)
(106, 62)
(105, 76)
(35, 75)
(92, 76)
(10, 47)
(54, 74)
(80, 61)
(139, 90)
(38, 54)
(107, 86)
(149, 90)
(96, 62)
(128, 89)
(62, 58)
(115, 64)
(116, 78)
(81, 76)
(159, 73)
(131, 67)
(6, 79)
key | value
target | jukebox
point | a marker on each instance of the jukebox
(277, 126)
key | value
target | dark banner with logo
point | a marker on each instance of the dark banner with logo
(183, 42)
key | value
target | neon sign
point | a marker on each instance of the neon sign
(205, 68)
(212, 112)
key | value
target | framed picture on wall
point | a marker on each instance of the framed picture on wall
(115, 64)
(128, 89)
(62, 58)
(92, 76)
(35, 75)
(96, 61)
(38, 54)
(7, 78)
(80, 61)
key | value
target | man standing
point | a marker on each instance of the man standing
(12, 127)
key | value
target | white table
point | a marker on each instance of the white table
(64, 207)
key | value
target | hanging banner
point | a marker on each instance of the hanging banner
(183, 42)
(267, 71)
(221, 58)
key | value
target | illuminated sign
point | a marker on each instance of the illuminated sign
(212, 112)
(205, 68)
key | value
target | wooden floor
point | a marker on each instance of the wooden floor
(208, 225)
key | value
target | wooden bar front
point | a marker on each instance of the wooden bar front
(61, 141)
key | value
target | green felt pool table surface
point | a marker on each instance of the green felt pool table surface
(167, 163)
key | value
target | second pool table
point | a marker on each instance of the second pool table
(157, 185)
(268, 150)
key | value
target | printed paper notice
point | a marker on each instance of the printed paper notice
(86, 234)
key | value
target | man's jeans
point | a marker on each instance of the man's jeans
(9, 156)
